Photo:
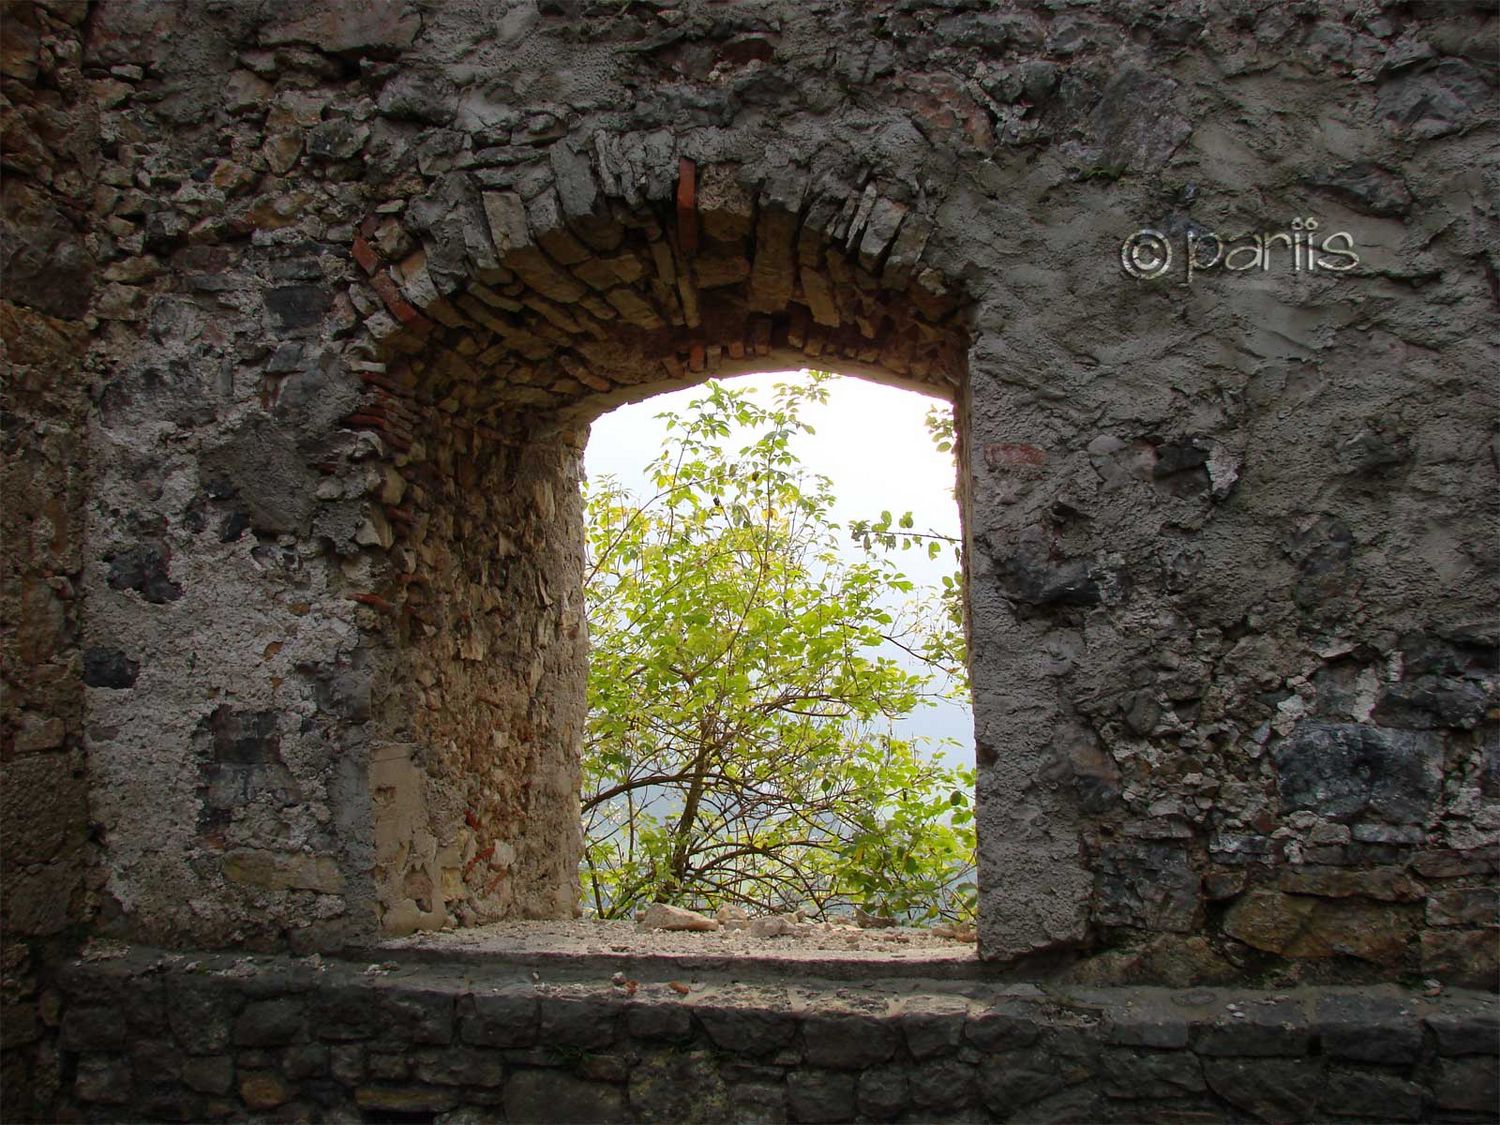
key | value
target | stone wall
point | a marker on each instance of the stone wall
(153, 1036)
(366, 275)
(48, 166)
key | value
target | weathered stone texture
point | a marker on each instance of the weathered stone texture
(345, 286)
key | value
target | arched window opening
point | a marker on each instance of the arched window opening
(778, 716)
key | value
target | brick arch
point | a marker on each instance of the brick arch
(513, 303)
(497, 326)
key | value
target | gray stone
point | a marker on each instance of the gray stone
(1371, 1095)
(882, 1093)
(426, 97)
(1151, 1074)
(93, 1029)
(1136, 122)
(1468, 906)
(1152, 886)
(199, 1015)
(1434, 102)
(1004, 1026)
(678, 1086)
(848, 1042)
(1270, 1089)
(930, 1034)
(553, 1096)
(1011, 1082)
(336, 140)
(577, 1023)
(746, 1031)
(820, 1095)
(501, 1019)
(416, 1015)
(268, 1023)
(1262, 1029)
(1370, 1030)
(941, 1084)
(1345, 771)
(258, 464)
(1466, 1033)
(459, 1066)
(1472, 1085)
(144, 568)
(1366, 187)
(109, 668)
(103, 1078)
(209, 1074)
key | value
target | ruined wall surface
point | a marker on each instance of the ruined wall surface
(48, 165)
(369, 271)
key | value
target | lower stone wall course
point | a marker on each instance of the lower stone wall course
(152, 1036)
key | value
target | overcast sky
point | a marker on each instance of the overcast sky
(870, 442)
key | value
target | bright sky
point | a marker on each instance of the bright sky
(871, 442)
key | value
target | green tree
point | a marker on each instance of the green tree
(739, 747)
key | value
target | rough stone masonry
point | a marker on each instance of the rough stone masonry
(307, 308)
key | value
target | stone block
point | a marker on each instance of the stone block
(1471, 1085)
(674, 1086)
(1150, 1074)
(1004, 1026)
(43, 810)
(507, 1018)
(1011, 1082)
(103, 1078)
(1345, 771)
(409, 1099)
(1269, 1089)
(820, 1095)
(746, 1030)
(547, 1096)
(344, 1011)
(1303, 926)
(459, 1066)
(1370, 1095)
(658, 1021)
(1470, 958)
(882, 1093)
(264, 1089)
(1368, 1029)
(933, 1029)
(268, 1023)
(1147, 885)
(1259, 1030)
(94, 1029)
(577, 1023)
(415, 1015)
(209, 1074)
(1468, 906)
(305, 1060)
(1473, 1032)
(941, 1085)
(1387, 884)
(847, 1042)
(201, 1014)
